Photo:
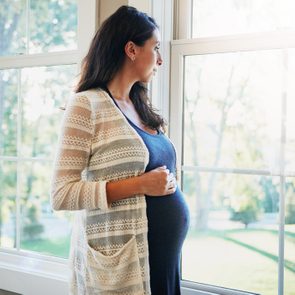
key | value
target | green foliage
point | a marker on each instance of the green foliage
(57, 247)
(290, 203)
(246, 210)
(39, 91)
(271, 195)
(32, 228)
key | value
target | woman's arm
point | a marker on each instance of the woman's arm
(157, 182)
(70, 192)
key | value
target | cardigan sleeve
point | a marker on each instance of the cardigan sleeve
(68, 190)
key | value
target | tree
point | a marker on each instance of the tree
(224, 104)
(52, 27)
(246, 210)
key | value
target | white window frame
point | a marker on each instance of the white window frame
(30, 273)
(233, 43)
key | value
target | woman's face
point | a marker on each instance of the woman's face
(148, 58)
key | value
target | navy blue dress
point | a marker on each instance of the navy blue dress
(168, 219)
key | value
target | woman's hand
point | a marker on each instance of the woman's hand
(158, 182)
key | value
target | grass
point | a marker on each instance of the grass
(244, 259)
(54, 247)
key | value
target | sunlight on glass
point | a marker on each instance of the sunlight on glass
(290, 236)
(8, 112)
(44, 91)
(234, 219)
(234, 106)
(8, 192)
(236, 123)
(53, 25)
(12, 27)
(290, 106)
(223, 17)
(42, 230)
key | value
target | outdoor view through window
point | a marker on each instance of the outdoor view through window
(30, 116)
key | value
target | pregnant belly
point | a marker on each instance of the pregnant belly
(168, 221)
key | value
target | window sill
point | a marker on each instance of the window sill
(33, 274)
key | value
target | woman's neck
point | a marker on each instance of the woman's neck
(121, 85)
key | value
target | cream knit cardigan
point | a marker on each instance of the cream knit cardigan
(109, 249)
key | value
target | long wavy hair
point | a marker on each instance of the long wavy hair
(106, 56)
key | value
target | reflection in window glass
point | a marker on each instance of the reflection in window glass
(44, 91)
(232, 104)
(234, 231)
(290, 236)
(53, 25)
(8, 112)
(8, 193)
(41, 231)
(223, 17)
(12, 27)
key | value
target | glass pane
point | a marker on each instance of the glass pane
(42, 230)
(233, 228)
(232, 109)
(290, 106)
(8, 112)
(44, 91)
(290, 237)
(223, 17)
(8, 193)
(53, 25)
(12, 27)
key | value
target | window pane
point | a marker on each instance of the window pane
(290, 237)
(44, 90)
(42, 230)
(290, 106)
(233, 228)
(223, 17)
(233, 109)
(12, 27)
(8, 193)
(8, 112)
(53, 25)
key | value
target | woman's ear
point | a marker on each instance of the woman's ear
(130, 50)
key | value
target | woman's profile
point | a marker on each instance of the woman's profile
(116, 167)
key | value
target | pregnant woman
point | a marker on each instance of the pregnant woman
(117, 168)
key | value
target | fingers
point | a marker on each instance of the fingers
(172, 184)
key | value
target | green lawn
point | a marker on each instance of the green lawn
(56, 247)
(243, 259)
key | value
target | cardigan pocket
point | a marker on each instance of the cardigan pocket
(118, 272)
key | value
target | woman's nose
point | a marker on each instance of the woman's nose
(159, 60)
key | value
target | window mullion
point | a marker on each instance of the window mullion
(18, 163)
(37, 60)
(283, 177)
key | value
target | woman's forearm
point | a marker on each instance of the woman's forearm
(125, 188)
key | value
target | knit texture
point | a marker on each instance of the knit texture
(109, 248)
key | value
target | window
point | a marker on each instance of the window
(227, 17)
(231, 103)
(38, 57)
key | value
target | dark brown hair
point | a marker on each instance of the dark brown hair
(106, 56)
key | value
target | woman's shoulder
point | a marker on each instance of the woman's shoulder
(92, 94)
